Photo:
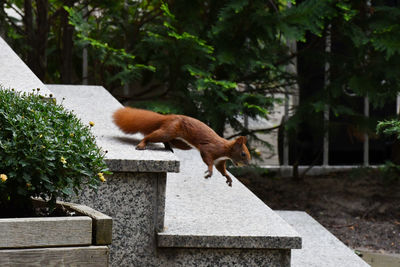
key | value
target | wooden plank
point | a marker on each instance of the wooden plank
(96, 256)
(45, 232)
(102, 224)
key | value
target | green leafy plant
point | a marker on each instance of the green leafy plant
(389, 127)
(391, 170)
(45, 151)
(124, 65)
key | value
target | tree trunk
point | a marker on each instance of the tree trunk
(29, 33)
(37, 37)
(67, 48)
(42, 33)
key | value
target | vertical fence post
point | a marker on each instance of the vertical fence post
(85, 66)
(398, 104)
(85, 56)
(285, 135)
(366, 137)
(325, 149)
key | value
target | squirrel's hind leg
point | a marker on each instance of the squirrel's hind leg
(209, 162)
(176, 143)
(158, 136)
(168, 147)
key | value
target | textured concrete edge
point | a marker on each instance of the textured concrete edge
(231, 242)
(160, 201)
(222, 257)
(121, 165)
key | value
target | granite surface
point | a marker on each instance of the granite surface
(320, 247)
(135, 201)
(207, 213)
(14, 73)
(96, 104)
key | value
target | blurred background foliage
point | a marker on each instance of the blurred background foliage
(216, 60)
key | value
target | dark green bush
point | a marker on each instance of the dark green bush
(391, 169)
(45, 151)
(389, 127)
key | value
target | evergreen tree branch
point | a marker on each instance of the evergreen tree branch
(251, 132)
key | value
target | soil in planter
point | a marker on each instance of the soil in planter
(38, 209)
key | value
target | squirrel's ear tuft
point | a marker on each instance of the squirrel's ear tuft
(241, 140)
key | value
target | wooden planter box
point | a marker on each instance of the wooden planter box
(57, 241)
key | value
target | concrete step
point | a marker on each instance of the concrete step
(207, 213)
(320, 247)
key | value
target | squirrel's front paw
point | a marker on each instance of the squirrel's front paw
(140, 146)
(229, 181)
(207, 174)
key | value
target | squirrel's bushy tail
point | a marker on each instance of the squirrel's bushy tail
(132, 120)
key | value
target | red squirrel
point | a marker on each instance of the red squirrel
(185, 133)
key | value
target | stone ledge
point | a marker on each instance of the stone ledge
(320, 247)
(96, 104)
(239, 257)
(209, 214)
(15, 74)
(250, 242)
(287, 171)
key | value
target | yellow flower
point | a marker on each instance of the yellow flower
(3, 177)
(63, 160)
(91, 123)
(40, 136)
(72, 134)
(101, 177)
(257, 151)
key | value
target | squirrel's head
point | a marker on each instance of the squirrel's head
(240, 154)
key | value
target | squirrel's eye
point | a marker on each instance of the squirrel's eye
(243, 154)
